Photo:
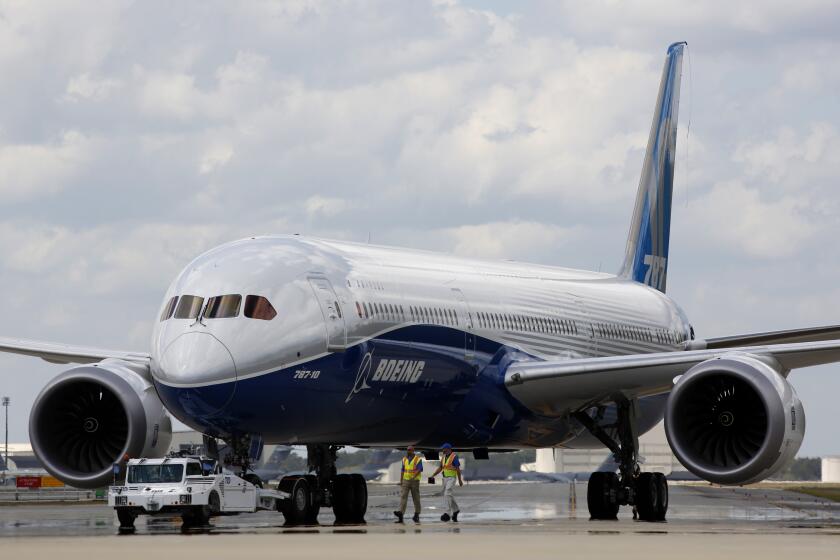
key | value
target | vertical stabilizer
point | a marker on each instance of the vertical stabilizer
(646, 257)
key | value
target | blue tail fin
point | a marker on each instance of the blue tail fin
(646, 257)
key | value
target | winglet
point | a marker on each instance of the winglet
(646, 256)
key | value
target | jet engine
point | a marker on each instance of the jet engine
(734, 420)
(87, 418)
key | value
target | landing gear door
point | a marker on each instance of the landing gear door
(333, 315)
(465, 318)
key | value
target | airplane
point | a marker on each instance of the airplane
(296, 340)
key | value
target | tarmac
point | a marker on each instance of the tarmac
(498, 520)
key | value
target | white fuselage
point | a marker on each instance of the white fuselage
(333, 296)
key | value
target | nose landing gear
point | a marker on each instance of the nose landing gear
(608, 491)
(345, 493)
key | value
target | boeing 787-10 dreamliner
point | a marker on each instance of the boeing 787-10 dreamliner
(302, 341)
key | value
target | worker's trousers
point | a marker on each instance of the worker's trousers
(450, 506)
(413, 487)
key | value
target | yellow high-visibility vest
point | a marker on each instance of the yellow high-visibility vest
(448, 470)
(410, 470)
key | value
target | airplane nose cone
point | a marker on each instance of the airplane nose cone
(203, 370)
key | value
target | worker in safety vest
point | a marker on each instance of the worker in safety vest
(410, 474)
(451, 468)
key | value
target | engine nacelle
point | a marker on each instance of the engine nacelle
(87, 418)
(734, 420)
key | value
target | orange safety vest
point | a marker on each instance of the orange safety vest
(410, 470)
(448, 470)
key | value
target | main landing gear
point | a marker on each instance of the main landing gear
(345, 493)
(607, 491)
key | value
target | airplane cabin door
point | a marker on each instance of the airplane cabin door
(585, 326)
(333, 315)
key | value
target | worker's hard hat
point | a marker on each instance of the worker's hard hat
(446, 446)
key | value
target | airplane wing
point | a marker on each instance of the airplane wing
(555, 387)
(66, 354)
(814, 334)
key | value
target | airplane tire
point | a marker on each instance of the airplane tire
(662, 496)
(126, 518)
(254, 480)
(343, 495)
(360, 498)
(214, 504)
(196, 516)
(314, 500)
(652, 496)
(295, 509)
(602, 495)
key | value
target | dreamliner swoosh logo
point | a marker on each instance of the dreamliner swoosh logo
(387, 371)
(361, 377)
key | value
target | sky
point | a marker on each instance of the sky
(136, 135)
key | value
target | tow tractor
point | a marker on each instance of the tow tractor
(196, 488)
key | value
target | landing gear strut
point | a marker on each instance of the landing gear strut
(345, 493)
(607, 491)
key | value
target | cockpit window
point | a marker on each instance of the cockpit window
(188, 307)
(257, 307)
(223, 307)
(169, 309)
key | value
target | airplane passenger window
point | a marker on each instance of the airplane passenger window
(258, 307)
(188, 307)
(359, 310)
(169, 309)
(223, 307)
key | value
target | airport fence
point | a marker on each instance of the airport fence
(36, 495)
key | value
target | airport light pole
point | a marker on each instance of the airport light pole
(6, 402)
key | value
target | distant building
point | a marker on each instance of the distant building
(653, 447)
(831, 469)
(22, 462)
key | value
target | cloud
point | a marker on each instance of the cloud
(215, 157)
(106, 259)
(29, 170)
(507, 240)
(86, 87)
(321, 206)
(734, 218)
(791, 156)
